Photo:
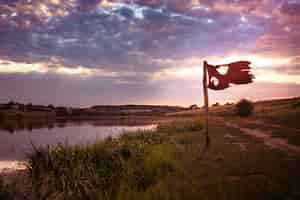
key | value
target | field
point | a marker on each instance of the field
(248, 158)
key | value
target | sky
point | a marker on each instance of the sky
(87, 52)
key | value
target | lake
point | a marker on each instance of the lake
(17, 142)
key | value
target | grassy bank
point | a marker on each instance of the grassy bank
(127, 168)
(167, 164)
(284, 112)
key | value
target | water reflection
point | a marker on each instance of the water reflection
(12, 126)
(17, 137)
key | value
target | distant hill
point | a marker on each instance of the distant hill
(261, 107)
(20, 111)
(136, 108)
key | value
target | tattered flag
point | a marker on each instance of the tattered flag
(237, 73)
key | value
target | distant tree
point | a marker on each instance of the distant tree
(29, 104)
(216, 104)
(50, 106)
(244, 108)
(11, 103)
(194, 106)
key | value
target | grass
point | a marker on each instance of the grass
(112, 169)
(181, 127)
(169, 163)
(166, 164)
(6, 191)
(284, 112)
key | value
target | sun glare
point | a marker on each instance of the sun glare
(257, 61)
(14, 67)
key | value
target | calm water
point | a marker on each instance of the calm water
(16, 143)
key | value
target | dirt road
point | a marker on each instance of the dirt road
(266, 136)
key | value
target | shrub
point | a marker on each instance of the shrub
(244, 108)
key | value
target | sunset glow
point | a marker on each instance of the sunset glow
(257, 61)
(13, 67)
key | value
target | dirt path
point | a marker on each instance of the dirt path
(271, 125)
(272, 142)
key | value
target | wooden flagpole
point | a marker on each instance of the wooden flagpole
(205, 94)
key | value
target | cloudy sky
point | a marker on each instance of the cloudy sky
(84, 52)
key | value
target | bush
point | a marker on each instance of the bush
(244, 108)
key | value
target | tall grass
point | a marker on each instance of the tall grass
(113, 169)
(6, 191)
(175, 127)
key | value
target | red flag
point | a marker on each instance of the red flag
(237, 73)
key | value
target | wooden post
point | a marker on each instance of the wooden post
(205, 94)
